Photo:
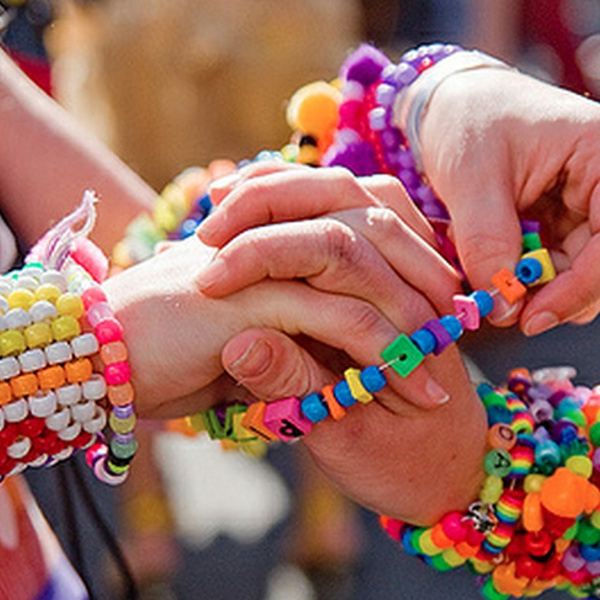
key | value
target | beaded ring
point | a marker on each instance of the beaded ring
(54, 319)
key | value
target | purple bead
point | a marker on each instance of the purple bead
(391, 138)
(541, 410)
(365, 65)
(404, 75)
(425, 193)
(385, 94)
(407, 160)
(123, 412)
(530, 226)
(596, 459)
(377, 119)
(562, 429)
(123, 438)
(352, 90)
(541, 435)
(572, 561)
(442, 337)
(409, 178)
(539, 392)
(593, 567)
(556, 398)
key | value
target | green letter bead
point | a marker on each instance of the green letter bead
(405, 355)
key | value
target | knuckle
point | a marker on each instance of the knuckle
(364, 319)
(343, 245)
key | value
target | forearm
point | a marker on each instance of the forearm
(47, 161)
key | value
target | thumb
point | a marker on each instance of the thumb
(270, 365)
(488, 238)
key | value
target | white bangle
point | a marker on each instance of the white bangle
(411, 104)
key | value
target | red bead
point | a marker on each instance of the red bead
(552, 568)
(7, 466)
(8, 435)
(93, 295)
(454, 527)
(82, 440)
(526, 566)
(32, 427)
(538, 544)
(109, 330)
(425, 64)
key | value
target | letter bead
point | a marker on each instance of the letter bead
(508, 285)
(467, 311)
(404, 357)
(285, 420)
(254, 421)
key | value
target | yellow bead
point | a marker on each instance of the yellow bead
(65, 328)
(12, 342)
(121, 425)
(491, 489)
(426, 544)
(453, 558)
(196, 422)
(175, 197)
(543, 256)
(48, 292)
(38, 335)
(357, 389)
(580, 465)
(21, 298)
(163, 216)
(595, 519)
(533, 483)
(70, 304)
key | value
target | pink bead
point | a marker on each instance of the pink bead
(101, 311)
(93, 296)
(466, 311)
(86, 254)
(454, 527)
(572, 561)
(103, 475)
(285, 420)
(108, 331)
(117, 373)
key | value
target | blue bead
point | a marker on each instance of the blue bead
(342, 394)
(529, 270)
(424, 340)
(499, 414)
(484, 301)
(452, 325)
(547, 454)
(565, 407)
(407, 543)
(484, 389)
(589, 553)
(205, 204)
(372, 379)
(188, 227)
(313, 408)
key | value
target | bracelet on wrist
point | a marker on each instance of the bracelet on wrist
(63, 361)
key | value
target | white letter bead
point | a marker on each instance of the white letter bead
(59, 420)
(85, 344)
(97, 423)
(16, 411)
(42, 310)
(94, 388)
(42, 404)
(9, 367)
(83, 411)
(17, 318)
(19, 448)
(32, 360)
(67, 395)
(70, 432)
(55, 278)
(58, 352)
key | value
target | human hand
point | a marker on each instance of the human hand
(498, 146)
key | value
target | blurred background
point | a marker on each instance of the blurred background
(168, 84)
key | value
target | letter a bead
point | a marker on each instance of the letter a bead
(404, 357)
(285, 419)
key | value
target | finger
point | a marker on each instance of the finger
(284, 196)
(575, 292)
(339, 260)
(392, 194)
(220, 188)
(348, 324)
(488, 239)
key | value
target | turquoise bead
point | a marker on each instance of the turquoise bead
(373, 379)
(484, 301)
(313, 408)
(424, 340)
(453, 326)
(343, 395)
(529, 270)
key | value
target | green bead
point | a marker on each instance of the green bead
(587, 533)
(577, 417)
(121, 450)
(531, 241)
(570, 533)
(493, 399)
(498, 462)
(489, 592)
(415, 540)
(595, 434)
(403, 355)
(439, 563)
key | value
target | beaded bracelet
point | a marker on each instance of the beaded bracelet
(54, 319)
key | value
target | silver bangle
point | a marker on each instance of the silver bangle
(412, 103)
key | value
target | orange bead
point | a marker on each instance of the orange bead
(253, 421)
(508, 285)
(532, 513)
(120, 395)
(336, 410)
(466, 550)
(78, 371)
(24, 385)
(113, 352)
(51, 377)
(564, 493)
(5, 393)
(439, 538)
(506, 582)
(502, 436)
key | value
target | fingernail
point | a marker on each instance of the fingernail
(254, 361)
(436, 392)
(503, 310)
(212, 273)
(541, 322)
(223, 183)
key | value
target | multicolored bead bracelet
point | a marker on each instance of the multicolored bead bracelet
(54, 319)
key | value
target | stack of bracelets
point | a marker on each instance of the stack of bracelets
(536, 523)
(54, 396)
